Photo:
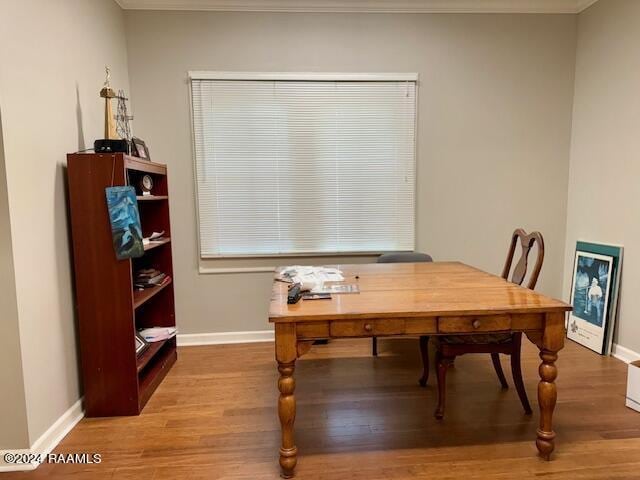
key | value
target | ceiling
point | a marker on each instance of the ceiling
(370, 6)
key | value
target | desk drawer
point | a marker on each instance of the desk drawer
(312, 330)
(367, 328)
(478, 323)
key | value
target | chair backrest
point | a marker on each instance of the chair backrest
(527, 241)
(404, 257)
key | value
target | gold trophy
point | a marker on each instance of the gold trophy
(112, 142)
(109, 121)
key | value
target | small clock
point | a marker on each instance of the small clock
(146, 184)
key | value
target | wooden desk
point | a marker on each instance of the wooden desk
(416, 299)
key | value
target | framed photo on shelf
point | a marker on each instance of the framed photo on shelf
(594, 295)
(141, 345)
(139, 148)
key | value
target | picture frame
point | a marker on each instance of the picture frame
(124, 217)
(139, 149)
(595, 291)
(141, 345)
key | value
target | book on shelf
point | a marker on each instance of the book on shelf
(150, 277)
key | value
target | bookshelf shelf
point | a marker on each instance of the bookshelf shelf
(140, 297)
(140, 165)
(151, 198)
(116, 381)
(144, 359)
(152, 245)
(156, 370)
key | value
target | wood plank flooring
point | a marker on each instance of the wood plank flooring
(361, 417)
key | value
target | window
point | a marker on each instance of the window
(293, 165)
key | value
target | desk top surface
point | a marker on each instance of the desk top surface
(405, 290)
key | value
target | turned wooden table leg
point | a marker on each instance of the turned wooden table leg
(287, 414)
(286, 354)
(551, 342)
(547, 395)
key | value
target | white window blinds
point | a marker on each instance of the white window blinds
(294, 167)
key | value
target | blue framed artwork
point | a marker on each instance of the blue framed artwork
(594, 295)
(126, 230)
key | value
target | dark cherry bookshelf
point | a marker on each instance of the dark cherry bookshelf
(110, 310)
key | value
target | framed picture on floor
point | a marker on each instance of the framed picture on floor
(594, 295)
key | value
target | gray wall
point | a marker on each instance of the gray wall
(604, 188)
(13, 411)
(52, 57)
(495, 100)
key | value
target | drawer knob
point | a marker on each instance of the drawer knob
(476, 323)
(368, 327)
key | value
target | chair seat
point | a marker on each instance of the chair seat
(487, 338)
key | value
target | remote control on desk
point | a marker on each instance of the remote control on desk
(294, 294)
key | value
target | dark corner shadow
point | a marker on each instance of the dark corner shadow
(64, 265)
(65, 218)
(79, 121)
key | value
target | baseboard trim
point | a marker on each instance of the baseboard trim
(623, 353)
(194, 339)
(23, 467)
(48, 440)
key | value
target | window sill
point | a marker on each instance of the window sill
(216, 270)
(227, 265)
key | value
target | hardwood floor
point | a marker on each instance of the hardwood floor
(361, 417)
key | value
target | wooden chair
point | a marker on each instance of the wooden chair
(448, 347)
(398, 257)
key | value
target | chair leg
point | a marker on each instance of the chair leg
(424, 352)
(374, 346)
(495, 358)
(516, 372)
(442, 363)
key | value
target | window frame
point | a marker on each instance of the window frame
(293, 76)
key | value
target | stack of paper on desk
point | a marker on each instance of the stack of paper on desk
(310, 277)
(342, 288)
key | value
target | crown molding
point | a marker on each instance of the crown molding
(365, 6)
(584, 4)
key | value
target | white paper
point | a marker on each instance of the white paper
(311, 277)
(156, 334)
